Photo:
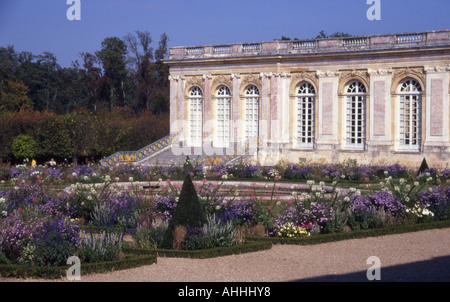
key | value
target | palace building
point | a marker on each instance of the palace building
(374, 99)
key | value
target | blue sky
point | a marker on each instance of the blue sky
(39, 26)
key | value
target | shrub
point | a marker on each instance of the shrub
(214, 233)
(24, 146)
(100, 248)
(55, 242)
(188, 212)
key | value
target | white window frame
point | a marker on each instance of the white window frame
(305, 116)
(355, 116)
(195, 117)
(223, 117)
(251, 113)
(409, 115)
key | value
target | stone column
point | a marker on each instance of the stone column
(207, 113)
(436, 136)
(236, 123)
(181, 116)
(265, 114)
(327, 138)
(379, 125)
(173, 105)
(284, 115)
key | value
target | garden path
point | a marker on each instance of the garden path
(417, 256)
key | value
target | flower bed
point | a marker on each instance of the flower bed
(50, 213)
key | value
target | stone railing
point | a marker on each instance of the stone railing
(135, 156)
(344, 44)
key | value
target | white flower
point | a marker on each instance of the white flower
(416, 183)
(386, 172)
(217, 207)
(74, 174)
(2, 200)
(322, 183)
(310, 182)
(130, 179)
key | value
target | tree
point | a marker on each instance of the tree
(323, 35)
(112, 57)
(24, 146)
(16, 99)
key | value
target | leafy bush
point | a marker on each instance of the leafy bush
(24, 146)
(55, 243)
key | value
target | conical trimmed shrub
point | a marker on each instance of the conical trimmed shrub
(188, 212)
(423, 166)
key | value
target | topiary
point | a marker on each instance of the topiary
(423, 166)
(188, 212)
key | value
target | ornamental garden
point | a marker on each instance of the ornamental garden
(128, 215)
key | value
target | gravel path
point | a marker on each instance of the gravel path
(418, 256)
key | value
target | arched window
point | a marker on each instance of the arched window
(251, 112)
(195, 116)
(355, 115)
(223, 102)
(409, 114)
(304, 129)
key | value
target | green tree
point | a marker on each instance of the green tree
(24, 146)
(53, 138)
(16, 99)
(338, 34)
(113, 58)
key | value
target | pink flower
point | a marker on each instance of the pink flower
(277, 178)
(269, 208)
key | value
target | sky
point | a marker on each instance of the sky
(43, 26)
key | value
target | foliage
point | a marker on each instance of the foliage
(100, 247)
(24, 146)
(188, 212)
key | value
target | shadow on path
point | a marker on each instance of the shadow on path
(434, 270)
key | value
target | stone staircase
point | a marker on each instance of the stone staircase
(167, 152)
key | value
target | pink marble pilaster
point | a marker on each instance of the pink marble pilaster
(236, 127)
(379, 104)
(182, 123)
(275, 109)
(436, 108)
(264, 106)
(327, 109)
(207, 109)
(173, 106)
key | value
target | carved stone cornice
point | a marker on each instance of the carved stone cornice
(327, 73)
(235, 76)
(379, 72)
(436, 69)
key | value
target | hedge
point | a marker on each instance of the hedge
(48, 272)
(246, 247)
(332, 237)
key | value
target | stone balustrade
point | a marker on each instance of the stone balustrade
(342, 44)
